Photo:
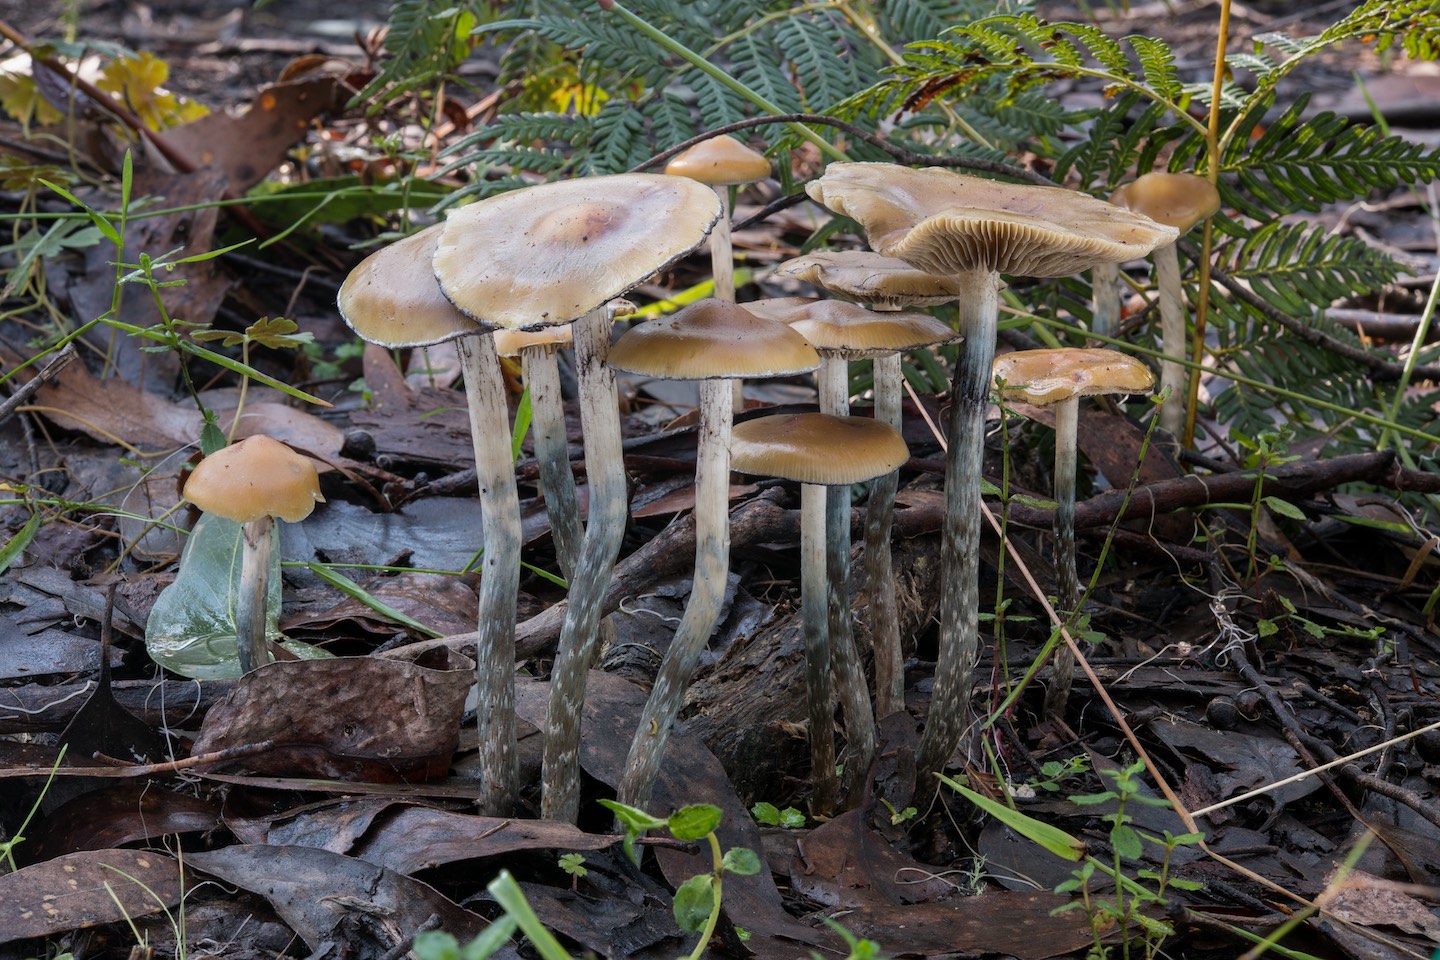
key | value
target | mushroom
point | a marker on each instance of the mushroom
(253, 482)
(817, 450)
(841, 332)
(1060, 378)
(973, 230)
(887, 285)
(1178, 200)
(555, 253)
(722, 162)
(391, 298)
(710, 341)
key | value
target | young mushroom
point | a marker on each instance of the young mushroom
(710, 341)
(842, 332)
(817, 450)
(1179, 200)
(973, 230)
(556, 253)
(253, 482)
(391, 298)
(1060, 378)
(886, 285)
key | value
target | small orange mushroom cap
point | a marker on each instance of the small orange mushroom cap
(257, 477)
(1178, 200)
(719, 161)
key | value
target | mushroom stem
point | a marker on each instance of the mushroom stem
(707, 595)
(500, 574)
(1067, 414)
(251, 644)
(599, 414)
(1172, 338)
(834, 383)
(552, 451)
(959, 633)
(722, 254)
(879, 571)
(813, 606)
(1105, 299)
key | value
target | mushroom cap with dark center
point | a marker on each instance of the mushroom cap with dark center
(869, 277)
(817, 448)
(719, 161)
(551, 253)
(947, 223)
(391, 297)
(1042, 377)
(256, 477)
(850, 330)
(1179, 200)
(710, 339)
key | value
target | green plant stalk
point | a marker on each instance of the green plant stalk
(512, 900)
(352, 589)
(719, 76)
(1422, 333)
(717, 858)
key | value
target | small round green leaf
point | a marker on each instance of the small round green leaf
(694, 822)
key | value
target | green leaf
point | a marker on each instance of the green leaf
(523, 414)
(191, 629)
(1053, 839)
(508, 894)
(16, 545)
(635, 821)
(792, 818)
(694, 822)
(1266, 628)
(436, 945)
(766, 814)
(573, 864)
(1126, 842)
(694, 902)
(1284, 507)
(741, 860)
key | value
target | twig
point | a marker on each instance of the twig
(146, 769)
(44, 375)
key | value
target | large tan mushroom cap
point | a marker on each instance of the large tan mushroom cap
(1048, 376)
(256, 477)
(869, 277)
(817, 448)
(947, 223)
(551, 253)
(848, 329)
(1179, 200)
(710, 339)
(719, 161)
(391, 297)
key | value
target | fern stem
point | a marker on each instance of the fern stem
(1207, 236)
(666, 42)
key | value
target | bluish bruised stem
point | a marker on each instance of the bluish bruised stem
(707, 595)
(959, 632)
(499, 574)
(854, 692)
(552, 452)
(599, 413)
(818, 690)
(879, 571)
(1067, 413)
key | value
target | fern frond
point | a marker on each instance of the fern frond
(1300, 267)
(823, 77)
(619, 141)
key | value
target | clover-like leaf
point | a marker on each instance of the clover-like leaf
(694, 902)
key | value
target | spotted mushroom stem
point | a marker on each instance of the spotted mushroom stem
(499, 574)
(552, 451)
(1067, 415)
(599, 415)
(707, 595)
(814, 615)
(978, 293)
(1105, 299)
(257, 540)
(879, 570)
(1172, 338)
(854, 692)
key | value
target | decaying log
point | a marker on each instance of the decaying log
(750, 706)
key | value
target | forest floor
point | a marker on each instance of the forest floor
(1242, 646)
